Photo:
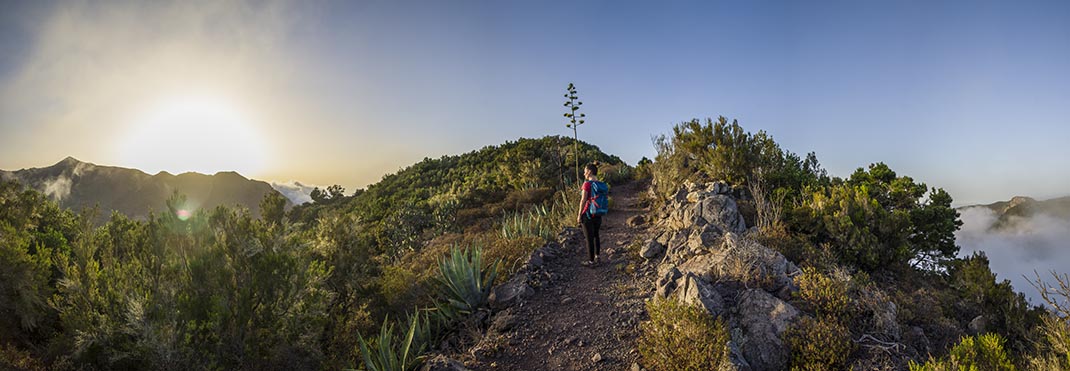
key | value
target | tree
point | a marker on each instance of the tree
(575, 121)
(331, 194)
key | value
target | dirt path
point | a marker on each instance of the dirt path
(584, 318)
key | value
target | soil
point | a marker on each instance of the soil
(581, 318)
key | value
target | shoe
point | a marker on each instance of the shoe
(588, 263)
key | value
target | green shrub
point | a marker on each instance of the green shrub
(981, 353)
(825, 294)
(819, 344)
(390, 351)
(463, 282)
(682, 337)
(878, 220)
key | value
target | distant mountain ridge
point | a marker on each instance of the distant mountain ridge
(1021, 207)
(75, 184)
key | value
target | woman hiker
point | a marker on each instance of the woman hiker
(593, 205)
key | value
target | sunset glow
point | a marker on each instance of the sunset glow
(199, 133)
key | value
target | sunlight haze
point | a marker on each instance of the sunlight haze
(969, 96)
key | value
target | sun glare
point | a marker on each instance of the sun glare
(196, 133)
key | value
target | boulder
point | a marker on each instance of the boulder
(695, 291)
(763, 318)
(706, 237)
(666, 283)
(701, 266)
(978, 325)
(746, 260)
(509, 293)
(652, 249)
(722, 211)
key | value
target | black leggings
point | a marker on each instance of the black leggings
(591, 224)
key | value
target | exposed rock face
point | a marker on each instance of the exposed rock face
(708, 262)
(510, 293)
(763, 319)
(652, 249)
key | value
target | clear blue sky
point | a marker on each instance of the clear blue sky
(972, 96)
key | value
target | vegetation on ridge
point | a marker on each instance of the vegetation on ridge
(874, 238)
(221, 289)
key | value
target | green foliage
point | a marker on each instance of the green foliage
(220, 290)
(725, 151)
(1055, 327)
(1055, 353)
(825, 294)
(332, 194)
(980, 293)
(390, 351)
(682, 337)
(878, 220)
(463, 281)
(980, 353)
(819, 344)
(535, 222)
(34, 233)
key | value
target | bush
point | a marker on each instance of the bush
(463, 282)
(825, 294)
(819, 344)
(984, 352)
(877, 220)
(682, 337)
(389, 351)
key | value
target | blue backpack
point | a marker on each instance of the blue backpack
(599, 201)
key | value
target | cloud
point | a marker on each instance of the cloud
(1040, 243)
(58, 188)
(295, 191)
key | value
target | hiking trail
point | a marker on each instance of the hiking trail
(579, 318)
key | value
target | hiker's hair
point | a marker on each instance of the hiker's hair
(593, 167)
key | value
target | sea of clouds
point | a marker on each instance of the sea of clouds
(1040, 243)
(297, 192)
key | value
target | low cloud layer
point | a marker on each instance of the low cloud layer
(1040, 243)
(295, 191)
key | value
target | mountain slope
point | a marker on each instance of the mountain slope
(1012, 212)
(75, 184)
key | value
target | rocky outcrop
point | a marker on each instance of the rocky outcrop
(708, 261)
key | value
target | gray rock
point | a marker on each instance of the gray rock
(763, 318)
(666, 283)
(706, 237)
(695, 291)
(747, 261)
(441, 363)
(722, 211)
(509, 293)
(701, 265)
(978, 325)
(720, 188)
(652, 249)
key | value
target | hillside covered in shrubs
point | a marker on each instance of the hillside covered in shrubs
(221, 289)
(872, 278)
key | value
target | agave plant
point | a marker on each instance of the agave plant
(463, 282)
(387, 352)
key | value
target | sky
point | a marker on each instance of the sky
(971, 96)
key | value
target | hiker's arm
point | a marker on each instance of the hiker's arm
(583, 201)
